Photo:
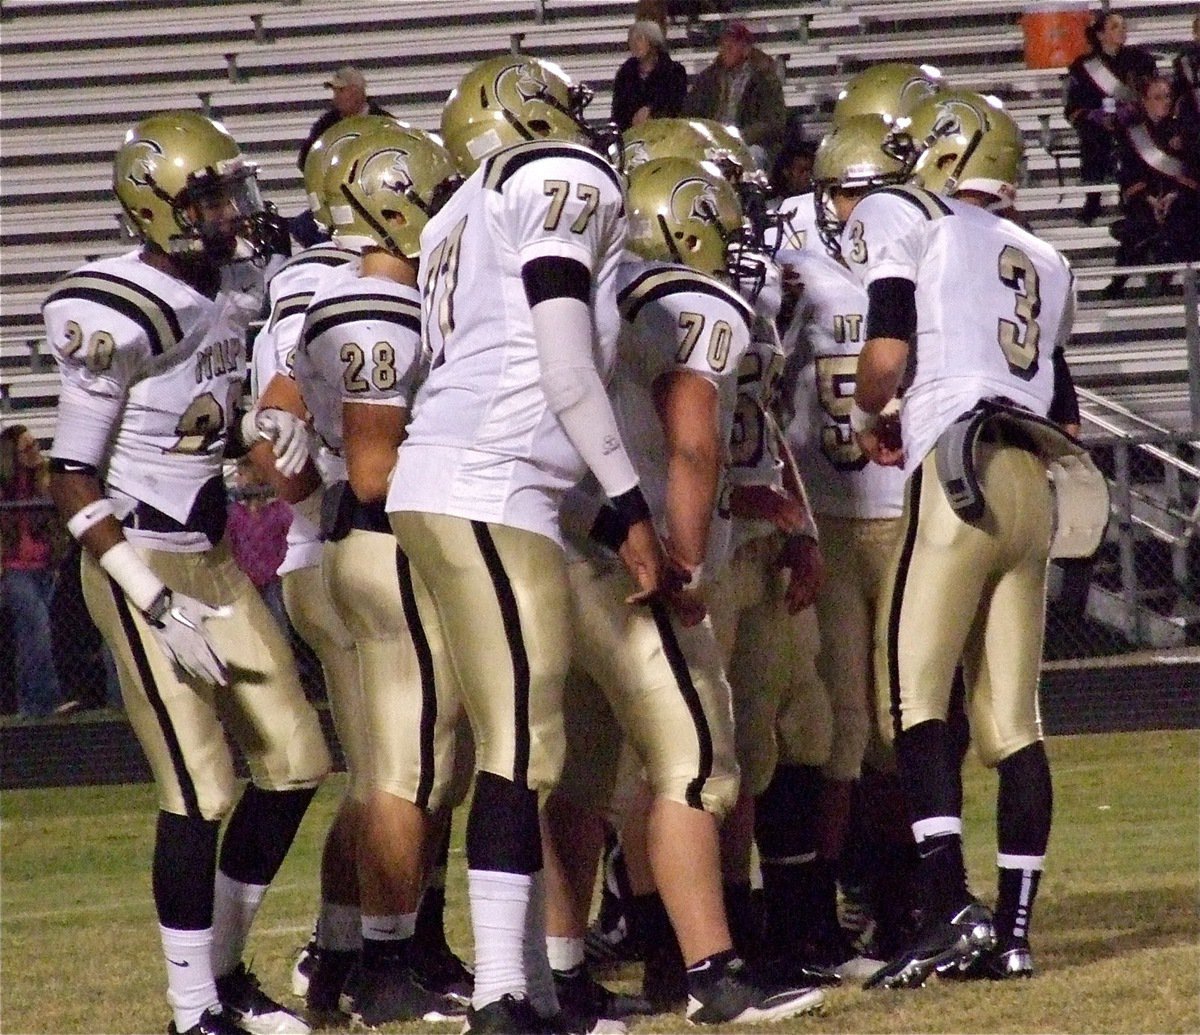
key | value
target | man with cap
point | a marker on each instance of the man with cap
(741, 88)
(350, 98)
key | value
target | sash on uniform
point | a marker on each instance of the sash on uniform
(1107, 81)
(1080, 490)
(1156, 158)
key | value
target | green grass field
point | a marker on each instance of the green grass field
(1116, 933)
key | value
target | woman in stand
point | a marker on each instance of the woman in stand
(650, 84)
(30, 540)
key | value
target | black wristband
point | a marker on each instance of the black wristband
(608, 529)
(631, 507)
(159, 606)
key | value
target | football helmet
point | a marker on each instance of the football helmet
(684, 211)
(856, 155)
(965, 141)
(316, 162)
(382, 188)
(892, 88)
(510, 99)
(186, 189)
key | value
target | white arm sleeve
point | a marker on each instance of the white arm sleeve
(575, 393)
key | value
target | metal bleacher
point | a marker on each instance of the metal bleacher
(77, 73)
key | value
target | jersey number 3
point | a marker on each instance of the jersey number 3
(1019, 338)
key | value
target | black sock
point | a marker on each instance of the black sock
(377, 952)
(1024, 809)
(942, 876)
(260, 832)
(745, 921)
(1014, 904)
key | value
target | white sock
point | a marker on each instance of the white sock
(339, 927)
(394, 927)
(234, 907)
(499, 903)
(190, 986)
(564, 953)
(539, 978)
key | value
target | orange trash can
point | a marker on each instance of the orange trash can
(1055, 34)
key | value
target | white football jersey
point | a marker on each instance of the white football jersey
(482, 443)
(673, 318)
(832, 319)
(797, 231)
(289, 291)
(361, 343)
(992, 301)
(152, 372)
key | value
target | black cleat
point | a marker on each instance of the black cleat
(388, 993)
(327, 975)
(508, 1015)
(738, 997)
(438, 969)
(302, 969)
(664, 978)
(939, 944)
(997, 964)
(212, 1022)
(582, 996)
(251, 1007)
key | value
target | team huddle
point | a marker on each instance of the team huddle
(623, 501)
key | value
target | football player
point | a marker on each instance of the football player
(519, 315)
(357, 365)
(966, 146)
(684, 333)
(976, 445)
(324, 963)
(857, 507)
(151, 348)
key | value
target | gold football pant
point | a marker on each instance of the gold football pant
(499, 596)
(955, 591)
(180, 721)
(410, 701)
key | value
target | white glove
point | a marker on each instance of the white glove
(177, 622)
(288, 436)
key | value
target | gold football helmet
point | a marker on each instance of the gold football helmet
(510, 99)
(382, 188)
(316, 162)
(684, 211)
(965, 141)
(893, 89)
(853, 156)
(186, 189)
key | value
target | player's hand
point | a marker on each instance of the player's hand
(288, 436)
(645, 558)
(882, 443)
(180, 631)
(768, 503)
(802, 556)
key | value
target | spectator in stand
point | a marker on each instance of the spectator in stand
(257, 533)
(741, 88)
(1160, 190)
(650, 83)
(31, 539)
(1186, 88)
(652, 11)
(350, 98)
(1102, 90)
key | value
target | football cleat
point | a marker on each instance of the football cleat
(211, 1022)
(738, 997)
(939, 944)
(253, 1009)
(306, 962)
(438, 969)
(508, 1015)
(582, 996)
(389, 993)
(327, 978)
(997, 964)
